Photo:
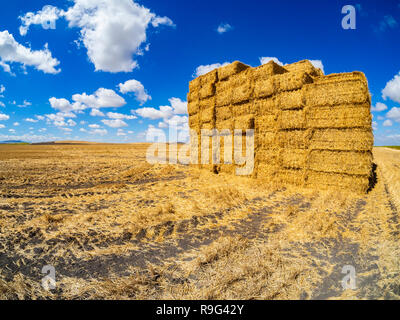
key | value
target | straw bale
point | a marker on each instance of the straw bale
(231, 69)
(267, 70)
(195, 84)
(342, 139)
(266, 139)
(265, 123)
(292, 119)
(294, 158)
(243, 109)
(207, 104)
(265, 87)
(304, 66)
(243, 92)
(291, 100)
(209, 78)
(324, 180)
(193, 107)
(193, 96)
(294, 177)
(223, 113)
(194, 121)
(224, 124)
(339, 89)
(340, 116)
(291, 81)
(207, 90)
(265, 106)
(294, 139)
(267, 170)
(244, 122)
(208, 115)
(350, 162)
(223, 93)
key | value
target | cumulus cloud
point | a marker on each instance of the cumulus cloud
(153, 114)
(45, 17)
(374, 125)
(379, 107)
(387, 123)
(2, 104)
(394, 114)
(4, 117)
(318, 64)
(2, 89)
(25, 104)
(392, 89)
(102, 98)
(203, 69)
(116, 123)
(96, 113)
(13, 52)
(31, 120)
(224, 27)
(16, 124)
(137, 88)
(94, 126)
(100, 132)
(112, 31)
(2, 126)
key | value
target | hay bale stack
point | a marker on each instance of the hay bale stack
(310, 129)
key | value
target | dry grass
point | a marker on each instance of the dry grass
(116, 227)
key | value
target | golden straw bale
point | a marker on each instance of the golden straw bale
(265, 123)
(292, 119)
(193, 107)
(350, 162)
(304, 66)
(291, 99)
(342, 139)
(224, 124)
(267, 70)
(195, 84)
(265, 87)
(209, 78)
(294, 158)
(207, 90)
(208, 115)
(243, 109)
(267, 155)
(291, 176)
(193, 95)
(324, 180)
(194, 120)
(223, 93)
(294, 139)
(292, 81)
(340, 116)
(223, 113)
(207, 104)
(267, 170)
(231, 69)
(244, 122)
(243, 92)
(332, 90)
(266, 139)
(265, 106)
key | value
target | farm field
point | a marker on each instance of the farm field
(115, 227)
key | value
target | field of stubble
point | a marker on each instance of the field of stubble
(115, 227)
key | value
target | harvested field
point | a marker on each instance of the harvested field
(116, 227)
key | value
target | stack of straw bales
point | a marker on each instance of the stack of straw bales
(311, 130)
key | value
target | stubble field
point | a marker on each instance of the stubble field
(115, 227)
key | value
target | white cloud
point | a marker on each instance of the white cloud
(31, 120)
(71, 123)
(4, 117)
(203, 69)
(101, 132)
(153, 114)
(392, 89)
(265, 60)
(387, 123)
(116, 123)
(12, 131)
(121, 133)
(94, 126)
(102, 98)
(114, 115)
(2, 104)
(2, 126)
(82, 130)
(374, 125)
(65, 129)
(13, 52)
(379, 107)
(25, 104)
(2, 89)
(137, 88)
(394, 114)
(40, 117)
(179, 106)
(224, 27)
(42, 130)
(96, 113)
(112, 31)
(16, 124)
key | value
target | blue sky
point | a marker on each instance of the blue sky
(114, 70)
